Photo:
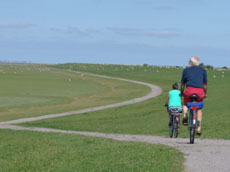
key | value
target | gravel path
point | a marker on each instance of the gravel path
(206, 155)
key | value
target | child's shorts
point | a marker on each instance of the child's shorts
(173, 109)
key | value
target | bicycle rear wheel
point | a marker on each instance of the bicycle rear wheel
(192, 126)
(192, 134)
(171, 129)
(175, 128)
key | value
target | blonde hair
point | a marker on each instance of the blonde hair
(195, 60)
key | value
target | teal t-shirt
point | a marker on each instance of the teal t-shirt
(174, 98)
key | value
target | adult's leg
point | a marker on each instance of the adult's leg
(185, 118)
(199, 112)
(199, 118)
(185, 110)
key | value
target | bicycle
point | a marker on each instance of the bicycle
(175, 112)
(193, 107)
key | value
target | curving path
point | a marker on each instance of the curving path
(205, 155)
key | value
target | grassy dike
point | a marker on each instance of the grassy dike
(149, 117)
(30, 90)
(24, 92)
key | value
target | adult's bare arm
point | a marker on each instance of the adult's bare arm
(205, 89)
(182, 89)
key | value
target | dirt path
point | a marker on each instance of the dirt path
(205, 155)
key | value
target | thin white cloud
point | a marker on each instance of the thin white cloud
(140, 32)
(93, 30)
(125, 31)
(17, 25)
(55, 29)
(161, 33)
(73, 30)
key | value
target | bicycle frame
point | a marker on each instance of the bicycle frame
(193, 116)
(176, 117)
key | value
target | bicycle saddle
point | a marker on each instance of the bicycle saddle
(194, 97)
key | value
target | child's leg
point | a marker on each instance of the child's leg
(179, 126)
(170, 119)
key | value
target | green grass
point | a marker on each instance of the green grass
(33, 151)
(149, 117)
(31, 90)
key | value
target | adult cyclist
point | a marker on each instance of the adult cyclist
(195, 79)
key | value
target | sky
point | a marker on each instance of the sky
(154, 32)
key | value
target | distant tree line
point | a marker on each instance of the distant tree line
(209, 67)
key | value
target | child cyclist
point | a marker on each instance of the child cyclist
(173, 101)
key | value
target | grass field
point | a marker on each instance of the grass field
(35, 152)
(37, 90)
(149, 117)
(31, 90)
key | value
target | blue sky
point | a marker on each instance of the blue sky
(157, 32)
